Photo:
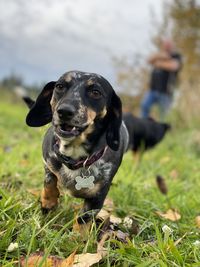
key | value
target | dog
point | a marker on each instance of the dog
(84, 146)
(29, 102)
(144, 133)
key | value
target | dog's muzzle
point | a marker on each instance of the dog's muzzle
(66, 130)
(65, 127)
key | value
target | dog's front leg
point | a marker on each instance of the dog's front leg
(50, 192)
(91, 208)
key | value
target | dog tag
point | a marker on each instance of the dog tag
(84, 182)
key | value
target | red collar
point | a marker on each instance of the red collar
(75, 164)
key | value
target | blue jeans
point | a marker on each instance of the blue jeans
(153, 97)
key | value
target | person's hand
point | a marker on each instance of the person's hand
(157, 57)
(158, 63)
(168, 65)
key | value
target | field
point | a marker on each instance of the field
(134, 193)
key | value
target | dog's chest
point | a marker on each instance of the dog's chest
(85, 182)
(75, 151)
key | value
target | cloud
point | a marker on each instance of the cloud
(42, 39)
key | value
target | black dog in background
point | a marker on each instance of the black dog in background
(144, 133)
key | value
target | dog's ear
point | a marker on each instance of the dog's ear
(41, 113)
(114, 123)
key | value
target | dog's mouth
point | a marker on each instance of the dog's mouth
(66, 130)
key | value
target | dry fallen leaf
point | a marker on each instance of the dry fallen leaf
(100, 246)
(103, 214)
(121, 236)
(115, 220)
(87, 259)
(197, 220)
(82, 229)
(161, 184)
(35, 259)
(75, 206)
(79, 260)
(180, 239)
(108, 204)
(170, 214)
(174, 174)
(24, 162)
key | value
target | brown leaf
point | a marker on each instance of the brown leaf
(76, 206)
(100, 245)
(161, 184)
(82, 229)
(108, 204)
(69, 261)
(180, 239)
(174, 174)
(170, 214)
(197, 220)
(103, 214)
(121, 236)
(24, 162)
(87, 259)
(106, 210)
(35, 259)
(115, 219)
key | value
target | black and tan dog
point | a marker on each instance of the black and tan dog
(83, 148)
(144, 133)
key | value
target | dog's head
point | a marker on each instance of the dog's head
(74, 103)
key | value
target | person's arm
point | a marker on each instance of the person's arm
(168, 65)
(159, 56)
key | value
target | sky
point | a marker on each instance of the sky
(41, 40)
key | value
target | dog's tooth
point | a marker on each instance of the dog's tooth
(74, 128)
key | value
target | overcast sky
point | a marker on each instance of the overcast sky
(41, 39)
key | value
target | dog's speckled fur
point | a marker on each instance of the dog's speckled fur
(98, 109)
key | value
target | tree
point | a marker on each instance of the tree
(11, 81)
(132, 78)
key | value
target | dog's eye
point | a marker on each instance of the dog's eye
(59, 86)
(96, 94)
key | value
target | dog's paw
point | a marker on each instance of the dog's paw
(47, 206)
(85, 218)
(45, 210)
(48, 202)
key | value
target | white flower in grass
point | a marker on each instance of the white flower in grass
(197, 243)
(12, 247)
(167, 230)
(128, 222)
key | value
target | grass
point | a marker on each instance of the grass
(134, 193)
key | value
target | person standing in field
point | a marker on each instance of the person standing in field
(165, 66)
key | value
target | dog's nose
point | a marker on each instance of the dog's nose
(66, 111)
